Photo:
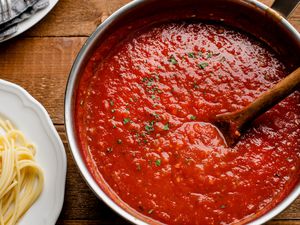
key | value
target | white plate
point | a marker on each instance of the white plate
(29, 116)
(30, 22)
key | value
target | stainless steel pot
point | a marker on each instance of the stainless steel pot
(248, 15)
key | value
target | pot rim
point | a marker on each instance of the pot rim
(69, 120)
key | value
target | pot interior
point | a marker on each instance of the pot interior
(243, 15)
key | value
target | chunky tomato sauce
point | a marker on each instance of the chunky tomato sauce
(143, 120)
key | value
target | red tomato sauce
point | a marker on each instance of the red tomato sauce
(143, 113)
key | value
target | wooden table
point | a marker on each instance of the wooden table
(40, 61)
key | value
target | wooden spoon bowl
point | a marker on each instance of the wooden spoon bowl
(233, 124)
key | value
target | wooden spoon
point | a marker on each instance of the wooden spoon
(232, 124)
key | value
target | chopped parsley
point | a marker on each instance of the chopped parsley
(166, 126)
(203, 65)
(222, 206)
(150, 83)
(150, 127)
(119, 141)
(158, 162)
(192, 117)
(113, 110)
(209, 55)
(155, 89)
(153, 97)
(111, 102)
(172, 60)
(109, 150)
(156, 77)
(155, 115)
(126, 120)
(191, 55)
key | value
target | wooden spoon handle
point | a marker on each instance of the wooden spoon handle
(269, 99)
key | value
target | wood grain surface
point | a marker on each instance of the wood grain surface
(40, 61)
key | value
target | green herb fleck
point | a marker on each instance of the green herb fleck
(220, 76)
(166, 126)
(150, 127)
(191, 55)
(131, 99)
(119, 141)
(114, 126)
(109, 150)
(150, 83)
(209, 55)
(113, 110)
(172, 60)
(153, 97)
(193, 117)
(126, 120)
(158, 162)
(155, 115)
(222, 206)
(203, 65)
(111, 102)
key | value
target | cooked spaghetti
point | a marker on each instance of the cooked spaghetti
(21, 179)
